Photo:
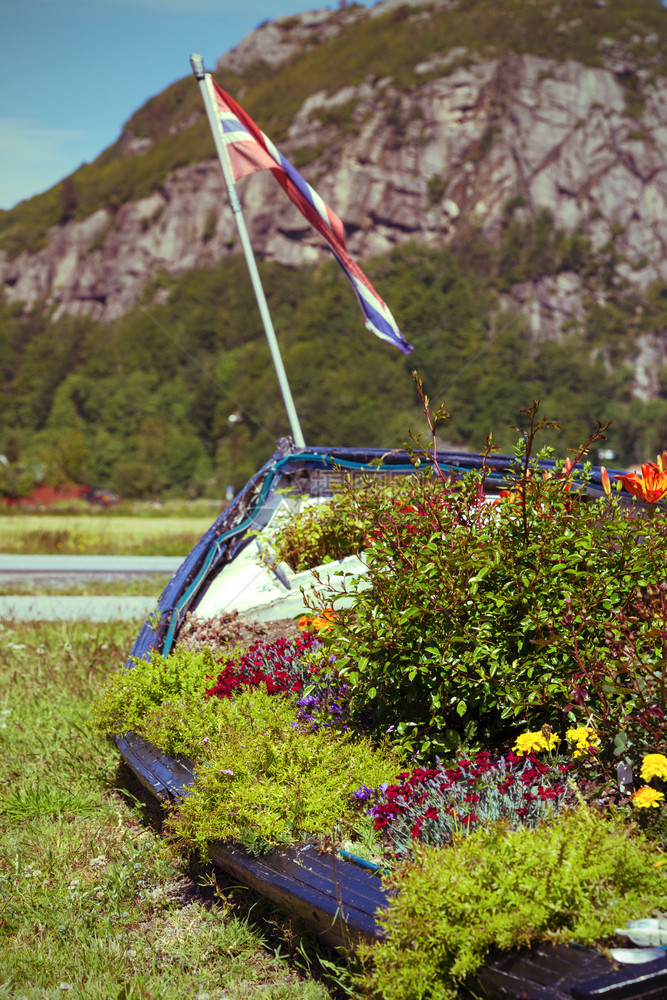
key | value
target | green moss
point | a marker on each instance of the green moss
(573, 881)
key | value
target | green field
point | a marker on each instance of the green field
(94, 902)
(90, 534)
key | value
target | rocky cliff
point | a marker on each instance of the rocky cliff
(472, 133)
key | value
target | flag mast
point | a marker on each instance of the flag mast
(204, 80)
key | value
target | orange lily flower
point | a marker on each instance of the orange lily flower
(604, 478)
(651, 485)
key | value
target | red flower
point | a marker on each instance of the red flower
(549, 793)
(416, 829)
(430, 813)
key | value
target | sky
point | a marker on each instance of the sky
(73, 71)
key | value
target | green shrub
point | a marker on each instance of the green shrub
(267, 781)
(576, 880)
(132, 694)
(182, 727)
(547, 608)
(318, 535)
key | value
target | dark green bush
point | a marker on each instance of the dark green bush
(546, 607)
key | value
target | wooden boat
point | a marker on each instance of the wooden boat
(339, 897)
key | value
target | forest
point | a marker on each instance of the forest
(180, 398)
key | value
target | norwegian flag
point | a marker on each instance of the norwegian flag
(250, 150)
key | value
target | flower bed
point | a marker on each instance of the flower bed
(426, 720)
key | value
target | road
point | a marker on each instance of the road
(42, 571)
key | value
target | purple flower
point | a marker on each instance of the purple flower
(363, 794)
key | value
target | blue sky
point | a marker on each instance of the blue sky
(73, 71)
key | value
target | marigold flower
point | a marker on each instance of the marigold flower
(534, 742)
(651, 485)
(647, 797)
(323, 621)
(319, 622)
(586, 741)
(654, 765)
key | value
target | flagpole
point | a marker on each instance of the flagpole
(204, 80)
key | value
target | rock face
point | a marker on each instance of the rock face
(398, 166)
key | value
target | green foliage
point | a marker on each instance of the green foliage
(317, 535)
(575, 880)
(17, 479)
(182, 726)
(142, 405)
(535, 248)
(130, 694)
(266, 781)
(548, 608)
(437, 185)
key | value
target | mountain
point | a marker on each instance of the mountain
(526, 139)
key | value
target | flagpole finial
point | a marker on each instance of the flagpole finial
(197, 64)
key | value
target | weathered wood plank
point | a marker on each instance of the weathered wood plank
(339, 917)
(646, 982)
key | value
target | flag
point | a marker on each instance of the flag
(250, 150)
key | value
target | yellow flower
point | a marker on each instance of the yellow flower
(585, 739)
(646, 797)
(535, 742)
(654, 765)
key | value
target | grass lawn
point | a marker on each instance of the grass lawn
(94, 902)
(101, 534)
